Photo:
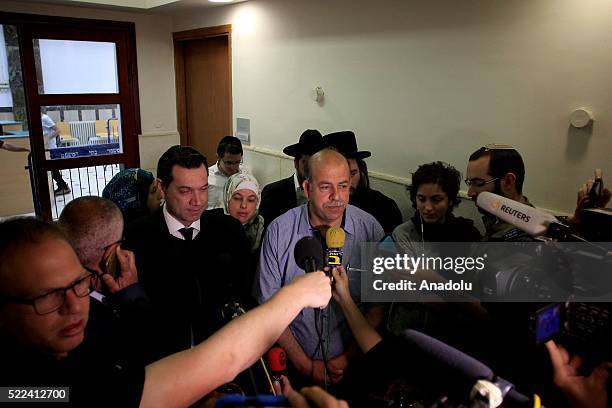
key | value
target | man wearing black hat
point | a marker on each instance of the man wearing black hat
(383, 208)
(283, 195)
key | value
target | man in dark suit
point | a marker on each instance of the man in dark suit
(383, 208)
(283, 195)
(190, 262)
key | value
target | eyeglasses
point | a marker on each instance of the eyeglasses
(479, 183)
(232, 163)
(54, 300)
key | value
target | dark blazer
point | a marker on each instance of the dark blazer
(188, 282)
(383, 208)
(100, 371)
(276, 199)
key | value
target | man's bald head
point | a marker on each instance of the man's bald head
(91, 223)
(20, 232)
(324, 158)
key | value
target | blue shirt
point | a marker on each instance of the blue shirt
(277, 268)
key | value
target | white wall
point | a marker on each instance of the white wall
(155, 56)
(430, 80)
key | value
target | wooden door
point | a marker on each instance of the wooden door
(204, 98)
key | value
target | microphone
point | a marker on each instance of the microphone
(334, 239)
(447, 366)
(277, 362)
(528, 219)
(308, 254)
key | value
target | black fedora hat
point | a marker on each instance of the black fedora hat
(346, 144)
(310, 142)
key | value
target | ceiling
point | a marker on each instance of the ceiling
(138, 5)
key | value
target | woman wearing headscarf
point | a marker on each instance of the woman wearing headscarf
(135, 192)
(241, 198)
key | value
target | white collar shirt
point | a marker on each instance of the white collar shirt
(175, 225)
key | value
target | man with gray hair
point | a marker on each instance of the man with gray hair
(94, 228)
(326, 186)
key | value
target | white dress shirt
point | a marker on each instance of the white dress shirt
(175, 225)
(216, 183)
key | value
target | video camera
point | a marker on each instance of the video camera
(583, 327)
(597, 224)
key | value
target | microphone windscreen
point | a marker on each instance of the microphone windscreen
(534, 222)
(334, 238)
(308, 248)
(445, 360)
(277, 359)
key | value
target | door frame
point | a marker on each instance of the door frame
(179, 39)
(124, 35)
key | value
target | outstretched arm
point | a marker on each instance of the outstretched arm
(365, 335)
(182, 378)
(12, 147)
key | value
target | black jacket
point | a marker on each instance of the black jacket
(381, 207)
(188, 282)
(276, 199)
(99, 372)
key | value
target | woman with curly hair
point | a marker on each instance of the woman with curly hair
(434, 195)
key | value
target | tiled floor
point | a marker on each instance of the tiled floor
(83, 181)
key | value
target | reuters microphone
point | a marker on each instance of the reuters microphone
(334, 240)
(528, 219)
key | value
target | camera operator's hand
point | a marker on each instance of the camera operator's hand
(583, 199)
(128, 274)
(602, 198)
(581, 391)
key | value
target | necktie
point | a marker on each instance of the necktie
(187, 233)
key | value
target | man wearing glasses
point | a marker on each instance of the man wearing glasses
(94, 227)
(498, 169)
(229, 162)
(46, 341)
